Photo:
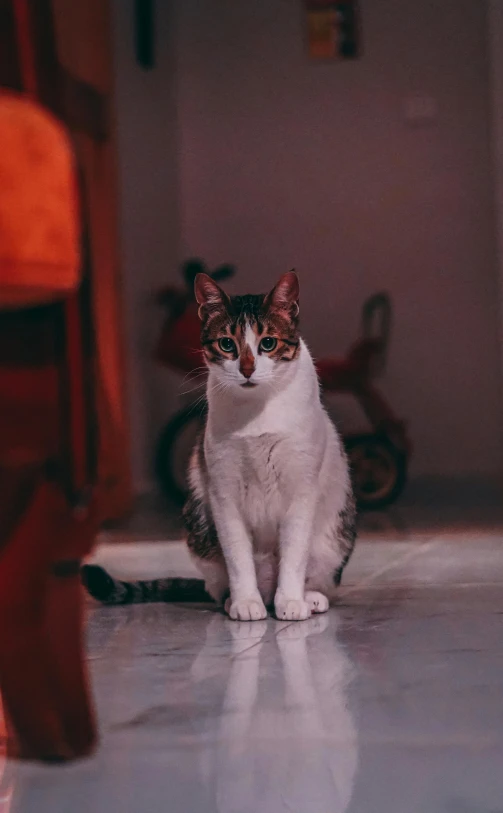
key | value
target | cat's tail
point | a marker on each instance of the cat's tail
(102, 587)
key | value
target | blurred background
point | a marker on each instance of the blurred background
(366, 174)
(227, 139)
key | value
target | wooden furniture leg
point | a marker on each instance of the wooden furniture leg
(43, 677)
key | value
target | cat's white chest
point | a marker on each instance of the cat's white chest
(262, 493)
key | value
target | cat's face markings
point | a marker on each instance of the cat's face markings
(247, 361)
(247, 339)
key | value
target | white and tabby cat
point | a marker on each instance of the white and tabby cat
(270, 516)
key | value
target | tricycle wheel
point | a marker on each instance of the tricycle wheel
(378, 470)
(173, 450)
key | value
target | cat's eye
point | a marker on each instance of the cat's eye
(268, 344)
(226, 345)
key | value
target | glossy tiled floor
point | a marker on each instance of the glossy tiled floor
(391, 703)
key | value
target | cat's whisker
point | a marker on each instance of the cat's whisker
(192, 389)
(196, 373)
(196, 369)
(200, 378)
(198, 402)
(221, 386)
(194, 378)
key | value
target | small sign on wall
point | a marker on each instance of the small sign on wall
(332, 29)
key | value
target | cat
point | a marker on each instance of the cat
(270, 516)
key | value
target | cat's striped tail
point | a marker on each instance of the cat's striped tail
(102, 587)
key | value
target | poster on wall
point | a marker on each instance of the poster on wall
(332, 29)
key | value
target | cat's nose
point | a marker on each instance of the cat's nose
(247, 370)
(247, 363)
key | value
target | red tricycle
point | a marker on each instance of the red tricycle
(378, 458)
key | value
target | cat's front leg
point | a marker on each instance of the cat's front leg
(245, 602)
(294, 538)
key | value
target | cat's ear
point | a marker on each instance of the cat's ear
(209, 295)
(285, 294)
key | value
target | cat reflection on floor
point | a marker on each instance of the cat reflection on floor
(287, 744)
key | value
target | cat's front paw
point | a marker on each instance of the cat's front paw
(291, 609)
(318, 603)
(247, 609)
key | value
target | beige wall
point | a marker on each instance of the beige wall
(496, 70)
(239, 149)
(286, 163)
(146, 114)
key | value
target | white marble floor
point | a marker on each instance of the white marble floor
(391, 703)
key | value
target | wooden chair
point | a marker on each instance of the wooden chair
(49, 500)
